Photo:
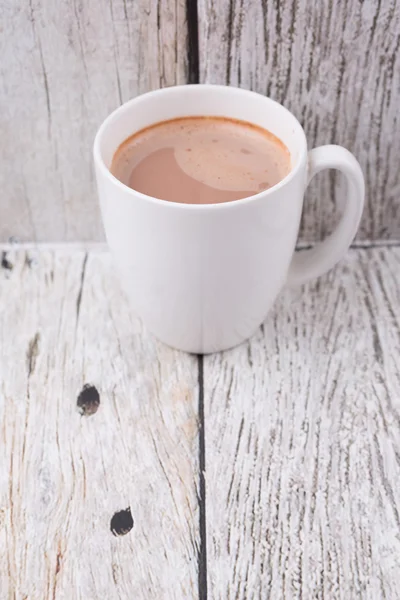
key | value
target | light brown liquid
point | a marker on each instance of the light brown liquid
(201, 160)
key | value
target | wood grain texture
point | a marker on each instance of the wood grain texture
(64, 323)
(336, 66)
(303, 443)
(64, 67)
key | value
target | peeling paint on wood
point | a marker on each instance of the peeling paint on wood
(63, 476)
(302, 428)
(65, 66)
(336, 66)
(298, 495)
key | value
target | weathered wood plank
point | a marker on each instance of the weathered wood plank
(64, 323)
(64, 67)
(336, 65)
(303, 443)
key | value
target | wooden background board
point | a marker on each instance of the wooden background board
(63, 476)
(336, 66)
(302, 431)
(66, 65)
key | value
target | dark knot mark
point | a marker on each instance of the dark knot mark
(32, 353)
(30, 261)
(5, 263)
(79, 297)
(122, 522)
(88, 400)
(58, 562)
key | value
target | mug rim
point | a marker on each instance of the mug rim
(98, 159)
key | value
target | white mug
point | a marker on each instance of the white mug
(203, 277)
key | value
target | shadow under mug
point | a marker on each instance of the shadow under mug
(203, 277)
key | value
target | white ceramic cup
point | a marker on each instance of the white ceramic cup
(203, 277)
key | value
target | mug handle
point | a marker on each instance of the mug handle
(312, 263)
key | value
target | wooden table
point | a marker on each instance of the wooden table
(133, 471)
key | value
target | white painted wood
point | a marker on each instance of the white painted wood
(64, 67)
(302, 432)
(64, 322)
(336, 65)
(303, 443)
